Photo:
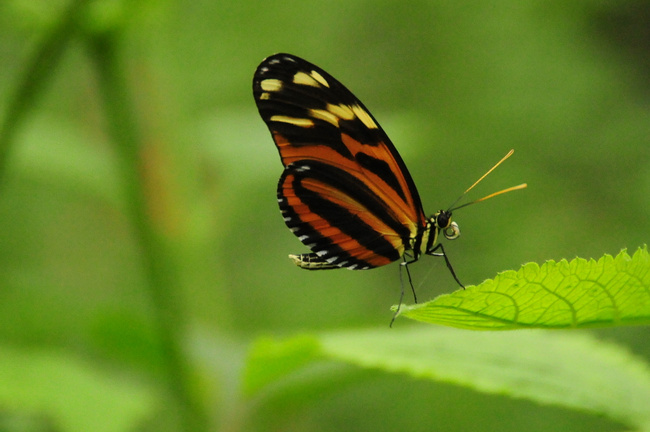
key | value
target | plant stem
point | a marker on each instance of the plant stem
(39, 69)
(160, 266)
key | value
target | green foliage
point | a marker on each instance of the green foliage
(572, 370)
(141, 250)
(30, 378)
(581, 293)
(270, 360)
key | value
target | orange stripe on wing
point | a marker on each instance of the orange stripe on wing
(404, 212)
(357, 209)
(380, 151)
(309, 221)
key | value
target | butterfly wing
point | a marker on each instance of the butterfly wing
(345, 191)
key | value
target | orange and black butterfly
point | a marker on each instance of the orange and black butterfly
(345, 191)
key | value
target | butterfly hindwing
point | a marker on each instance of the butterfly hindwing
(345, 191)
(331, 212)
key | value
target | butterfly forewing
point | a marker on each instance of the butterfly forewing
(345, 191)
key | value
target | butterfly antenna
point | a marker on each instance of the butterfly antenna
(492, 195)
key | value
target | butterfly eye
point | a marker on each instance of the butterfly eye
(452, 231)
(442, 219)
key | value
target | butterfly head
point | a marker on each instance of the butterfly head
(442, 222)
(437, 223)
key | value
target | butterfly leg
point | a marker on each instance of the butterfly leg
(442, 253)
(404, 264)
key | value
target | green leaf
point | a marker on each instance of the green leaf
(270, 360)
(70, 393)
(573, 370)
(568, 369)
(576, 294)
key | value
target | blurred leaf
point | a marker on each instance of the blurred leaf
(580, 293)
(72, 394)
(55, 153)
(105, 15)
(270, 360)
(36, 14)
(543, 367)
(126, 337)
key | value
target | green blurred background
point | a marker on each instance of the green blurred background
(454, 84)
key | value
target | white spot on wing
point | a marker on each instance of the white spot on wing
(341, 111)
(302, 78)
(326, 115)
(271, 85)
(311, 79)
(364, 117)
(318, 77)
(302, 122)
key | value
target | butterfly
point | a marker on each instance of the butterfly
(345, 191)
